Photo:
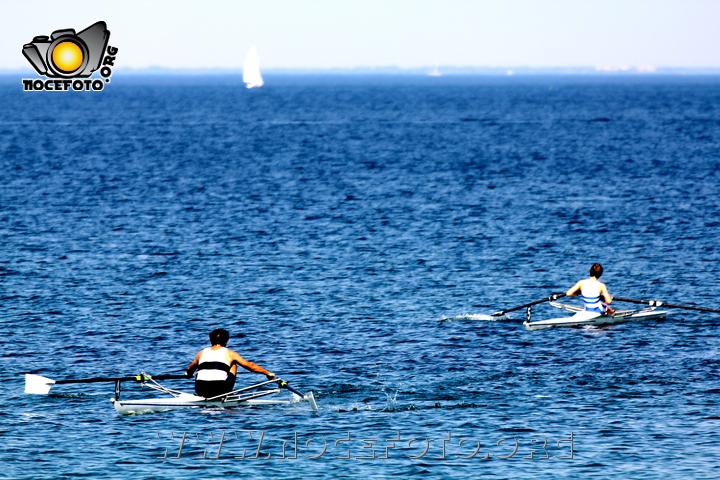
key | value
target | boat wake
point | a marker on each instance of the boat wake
(479, 317)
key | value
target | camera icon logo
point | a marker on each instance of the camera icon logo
(66, 54)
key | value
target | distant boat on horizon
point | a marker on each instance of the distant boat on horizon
(435, 72)
(251, 70)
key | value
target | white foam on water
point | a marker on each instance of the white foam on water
(476, 317)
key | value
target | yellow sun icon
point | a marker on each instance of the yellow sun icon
(67, 56)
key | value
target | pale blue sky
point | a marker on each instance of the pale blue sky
(381, 33)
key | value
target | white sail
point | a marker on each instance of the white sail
(251, 70)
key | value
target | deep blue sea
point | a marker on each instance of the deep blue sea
(350, 233)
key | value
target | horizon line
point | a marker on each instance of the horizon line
(429, 71)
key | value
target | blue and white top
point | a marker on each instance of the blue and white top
(591, 297)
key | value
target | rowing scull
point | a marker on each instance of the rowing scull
(252, 395)
(247, 396)
(584, 318)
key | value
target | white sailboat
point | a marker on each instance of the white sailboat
(251, 70)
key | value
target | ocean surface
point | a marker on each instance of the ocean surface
(353, 234)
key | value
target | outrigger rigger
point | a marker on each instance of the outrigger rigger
(251, 395)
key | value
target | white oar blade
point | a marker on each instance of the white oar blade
(37, 384)
(311, 399)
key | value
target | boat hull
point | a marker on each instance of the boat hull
(583, 318)
(152, 405)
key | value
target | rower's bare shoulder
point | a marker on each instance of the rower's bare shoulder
(235, 356)
(575, 288)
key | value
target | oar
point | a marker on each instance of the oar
(552, 297)
(657, 303)
(41, 385)
(309, 397)
(284, 384)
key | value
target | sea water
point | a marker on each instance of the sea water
(353, 234)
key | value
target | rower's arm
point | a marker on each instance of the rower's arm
(193, 366)
(251, 366)
(574, 290)
(606, 295)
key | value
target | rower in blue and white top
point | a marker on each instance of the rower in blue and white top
(217, 366)
(594, 293)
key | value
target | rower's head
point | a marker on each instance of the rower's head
(596, 270)
(219, 336)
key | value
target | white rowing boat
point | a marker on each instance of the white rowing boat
(583, 318)
(248, 396)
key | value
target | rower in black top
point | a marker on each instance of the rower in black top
(217, 367)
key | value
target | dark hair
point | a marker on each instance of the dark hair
(219, 336)
(596, 270)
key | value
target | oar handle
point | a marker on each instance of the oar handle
(552, 297)
(167, 377)
(657, 303)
